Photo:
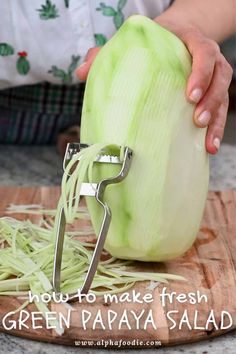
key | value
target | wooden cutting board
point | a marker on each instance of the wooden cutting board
(209, 267)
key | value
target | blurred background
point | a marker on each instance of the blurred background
(223, 164)
(229, 50)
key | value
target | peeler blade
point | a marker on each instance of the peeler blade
(74, 148)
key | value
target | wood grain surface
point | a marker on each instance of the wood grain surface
(209, 267)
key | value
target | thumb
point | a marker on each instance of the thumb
(83, 70)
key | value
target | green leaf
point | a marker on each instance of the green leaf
(74, 63)
(100, 39)
(121, 4)
(67, 80)
(56, 72)
(118, 19)
(6, 49)
(48, 11)
(66, 77)
(22, 66)
(106, 10)
(67, 3)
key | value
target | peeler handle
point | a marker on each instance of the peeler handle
(56, 279)
(95, 258)
(97, 252)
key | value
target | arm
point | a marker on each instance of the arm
(215, 19)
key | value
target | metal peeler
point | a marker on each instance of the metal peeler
(93, 190)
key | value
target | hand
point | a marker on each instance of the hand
(207, 85)
(83, 70)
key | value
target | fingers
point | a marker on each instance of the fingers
(215, 130)
(210, 70)
(216, 93)
(208, 87)
(204, 58)
(83, 70)
(212, 109)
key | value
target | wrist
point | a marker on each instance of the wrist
(214, 19)
(181, 28)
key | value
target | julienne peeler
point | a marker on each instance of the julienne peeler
(92, 190)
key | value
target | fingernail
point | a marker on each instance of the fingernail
(81, 66)
(216, 143)
(196, 95)
(204, 118)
